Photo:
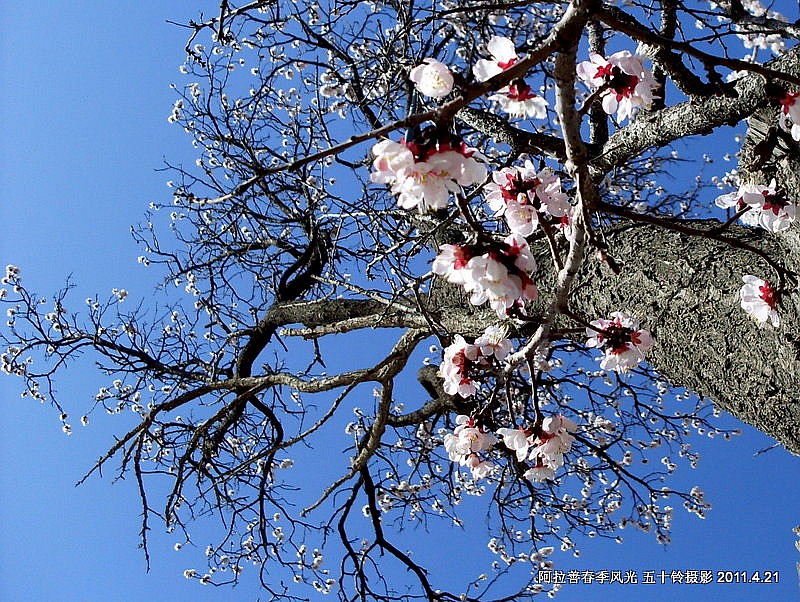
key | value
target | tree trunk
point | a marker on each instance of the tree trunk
(685, 289)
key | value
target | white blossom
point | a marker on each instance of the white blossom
(626, 83)
(499, 274)
(622, 341)
(432, 78)
(522, 195)
(425, 171)
(758, 298)
(765, 207)
(504, 55)
(518, 100)
(467, 439)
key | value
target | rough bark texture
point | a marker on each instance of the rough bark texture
(686, 289)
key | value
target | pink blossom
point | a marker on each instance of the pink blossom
(759, 299)
(554, 441)
(627, 84)
(429, 184)
(390, 157)
(458, 367)
(462, 361)
(451, 261)
(499, 274)
(766, 208)
(547, 449)
(466, 440)
(522, 195)
(504, 55)
(565, 224)
(432, 78)
(424, 171)
(621, 340)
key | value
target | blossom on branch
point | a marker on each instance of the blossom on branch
(622, 341)
(458, 367)
(480, 469)
(517, 440)
(462, 360)
(625, 82)
(549, 447)
(522, 195)
(467, 438)
(504, 55)
(465, 442)
(493, 341)
(766, 208)
(518, 100)
(546, 450)
(759, 299)
(425, 170)
(790, 114)
(497, 273)
(432, 78)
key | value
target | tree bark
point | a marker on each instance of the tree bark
(685, 289)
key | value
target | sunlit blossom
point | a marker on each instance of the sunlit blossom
(627, 84)
(764, 207)
(623, 343)
(522, 195)
(466, 441)
(759, 299)
(504, 55)
(432, 78)
(427, 169)
(518, 100)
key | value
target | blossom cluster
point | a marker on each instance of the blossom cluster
(426, 169)
(542, 448)
(545, 450)
(622, 341)
(763, 206)
(625, 83)
(523, 196)
(462, 360)
(465, 442)
(497, 272)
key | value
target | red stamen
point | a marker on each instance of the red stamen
(767, 294)
(519, 90)
(462, 257)
(788, 100)
(506, 64)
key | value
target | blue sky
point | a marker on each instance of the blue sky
(84, 131)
